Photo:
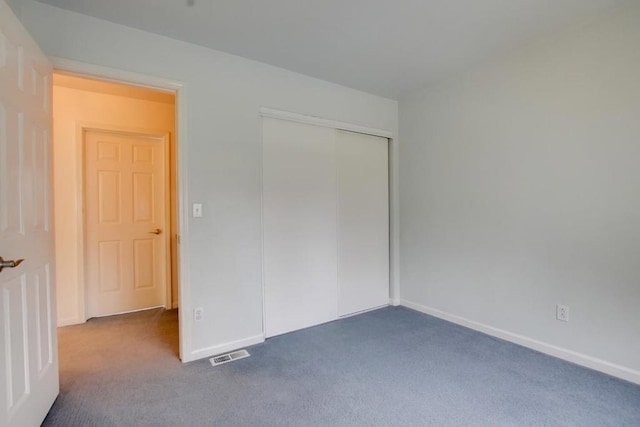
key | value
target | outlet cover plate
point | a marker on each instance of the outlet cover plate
(562, 312)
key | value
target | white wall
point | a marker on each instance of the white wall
(73, 108)
(224, 93)
(520, 189)
(16, 6)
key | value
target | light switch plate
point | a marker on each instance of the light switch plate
(197, 210)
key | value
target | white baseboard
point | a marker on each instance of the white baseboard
(394, 302)
(225, 348)
(70, 322)
(357, 313)
(552, 350)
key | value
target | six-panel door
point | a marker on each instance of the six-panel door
(28, 344)
(125, 222)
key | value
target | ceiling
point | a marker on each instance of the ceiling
(385, 47)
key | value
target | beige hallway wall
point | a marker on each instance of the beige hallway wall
(76, 103)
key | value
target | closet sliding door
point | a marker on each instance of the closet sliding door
(363, 221)
(299, 220)
(326, 224)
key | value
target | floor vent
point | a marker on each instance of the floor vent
(229, 357)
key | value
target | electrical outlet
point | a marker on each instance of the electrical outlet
(562, 312)
(198, 313)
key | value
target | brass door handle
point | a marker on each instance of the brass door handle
(156, 231)
(9, 264)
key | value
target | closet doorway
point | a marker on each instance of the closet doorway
(325, 222)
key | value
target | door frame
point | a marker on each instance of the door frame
(180, 165)
(168, 145)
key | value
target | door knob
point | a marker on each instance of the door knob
(156, 231)
(9, 264)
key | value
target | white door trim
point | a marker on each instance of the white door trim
(394, 191)
(121, 76)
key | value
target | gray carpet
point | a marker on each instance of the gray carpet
(390, 367)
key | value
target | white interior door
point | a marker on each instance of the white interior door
(28, 343)
(363, 222)
(299, 216)
(125, 222)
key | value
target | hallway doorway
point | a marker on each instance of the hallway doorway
(115, 198)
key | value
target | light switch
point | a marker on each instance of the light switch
(197, 210)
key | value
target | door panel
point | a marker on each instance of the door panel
(143, 197)
(299, 214)
(11, 148)
(109, 197)
(125, 199)
(144, 261)
(363, 222)
(28, 342)
(17, 344)
(109, 266)
(44, 317)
